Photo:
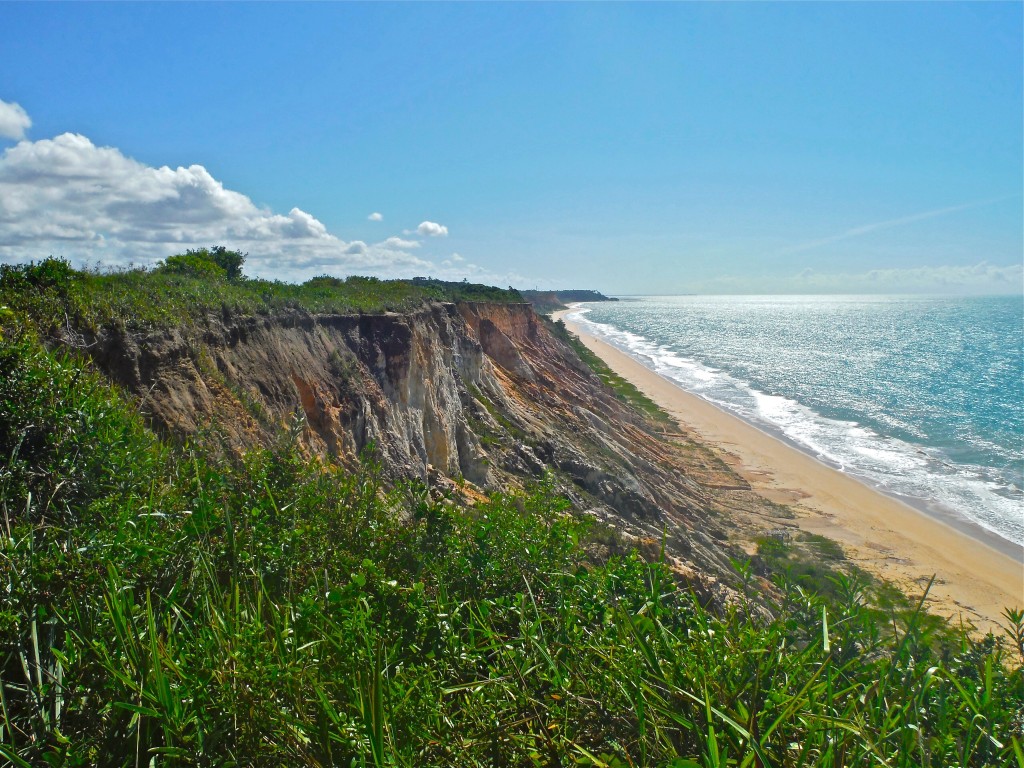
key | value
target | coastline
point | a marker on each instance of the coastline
(976, 577)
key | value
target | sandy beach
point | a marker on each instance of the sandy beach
(976, 579)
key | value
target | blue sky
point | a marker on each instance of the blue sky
(633, 148)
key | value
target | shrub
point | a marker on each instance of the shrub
(230, 261)
(173, 605)
(193, 265)
(206, 263)
(48, 273)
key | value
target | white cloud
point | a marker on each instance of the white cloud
(398, 242)
(14, 121)
(432, 229)
(973, 278)
(375, 216)
(67, 197)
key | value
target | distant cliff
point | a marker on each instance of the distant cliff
(546, 302)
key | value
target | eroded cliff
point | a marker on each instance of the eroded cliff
(466, 397)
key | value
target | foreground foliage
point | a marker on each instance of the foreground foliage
(171, 606)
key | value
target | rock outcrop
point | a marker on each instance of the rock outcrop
(462, 393)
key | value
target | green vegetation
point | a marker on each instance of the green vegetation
(173, 606)
(810, 562)
(217, 263)
(495, 414)
(546, 302)
(623, 389)
(191, 286)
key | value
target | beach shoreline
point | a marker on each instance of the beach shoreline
(977, 575)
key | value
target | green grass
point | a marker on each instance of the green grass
(623, 389)
(54, 295)
(172, 606)
(495, 413)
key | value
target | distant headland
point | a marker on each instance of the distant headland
(546, 302)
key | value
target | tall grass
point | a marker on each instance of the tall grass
(175, 607)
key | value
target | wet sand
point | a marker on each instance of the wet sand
(977, 575)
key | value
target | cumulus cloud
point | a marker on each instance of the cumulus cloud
(14, 121)
(398, 242)
(376, 216)
(432, 229)
(68, 197)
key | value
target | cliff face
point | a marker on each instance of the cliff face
(476, 392)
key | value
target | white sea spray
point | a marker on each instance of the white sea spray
(917, 396)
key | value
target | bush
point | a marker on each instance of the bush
(230, 261)
(193, 265)
(191, 608)
(206, 263)
(44, 289)
(65, 439)
(188, 287)
(48, 273)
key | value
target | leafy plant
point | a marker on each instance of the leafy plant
(171, 605)
(192, 286)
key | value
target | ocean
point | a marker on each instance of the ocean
(920, 397)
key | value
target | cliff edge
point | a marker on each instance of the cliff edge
(468, 397)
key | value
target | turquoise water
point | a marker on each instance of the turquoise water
(921, 397)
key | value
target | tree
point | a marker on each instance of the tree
(193, 264)
(230, 261)
(207, 262)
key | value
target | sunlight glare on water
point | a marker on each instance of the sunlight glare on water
(919, 396)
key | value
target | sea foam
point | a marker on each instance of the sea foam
(837, 378)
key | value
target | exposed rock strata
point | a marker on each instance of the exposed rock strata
(480, 392)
